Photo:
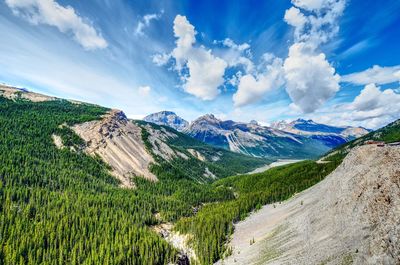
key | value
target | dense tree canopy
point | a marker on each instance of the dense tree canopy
(61, 206)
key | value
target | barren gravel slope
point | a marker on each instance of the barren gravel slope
(351, 217)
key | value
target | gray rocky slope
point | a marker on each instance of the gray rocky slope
(351, 217)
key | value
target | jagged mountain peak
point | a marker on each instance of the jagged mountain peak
(167, 118)
(254, 122)
(300, 120)
(209, 117)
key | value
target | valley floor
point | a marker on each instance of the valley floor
(350, 217)
(277, 163)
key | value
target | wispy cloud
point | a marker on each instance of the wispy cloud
(144, 22)
(65, 19)
(376, 74)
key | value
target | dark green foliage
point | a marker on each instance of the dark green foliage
(62, 207)
(213, 224)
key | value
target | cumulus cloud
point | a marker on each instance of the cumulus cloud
(252, 87)
(145, 22)
(202, 72)
(376, 74)
(144, 90)
(64, 18)
(372, 108)
(295, 18)
(310, 79)
(315, 21)
(375, 106)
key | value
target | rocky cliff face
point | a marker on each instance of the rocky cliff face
(119, 143)
(351, 217)
(167, 118)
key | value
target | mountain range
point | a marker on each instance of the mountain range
(149, 194)
(297, 139)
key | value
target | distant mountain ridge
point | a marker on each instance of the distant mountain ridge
(167, 118)
(302, 126)
(253, 139)
(298, 139)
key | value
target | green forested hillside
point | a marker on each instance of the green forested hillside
(61, 206)
(213, 224)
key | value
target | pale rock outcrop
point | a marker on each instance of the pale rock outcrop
(119, 143)
(158, 139)
(196, 154)
(57, 141)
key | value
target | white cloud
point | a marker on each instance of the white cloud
(144, 90)
(49, 12)
(231, 44)
(145, 22)
(185, 34)
(312, 5)
(206, 74)
(319, 23)
(310, 79)
(368, 98)
(374, 106)
(376, 74)
(200, 70)
(295, 18)
(252, 87)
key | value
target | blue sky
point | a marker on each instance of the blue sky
(334, 61)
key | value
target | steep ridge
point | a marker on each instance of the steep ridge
(351, 217)
(298, 139)
(254, 139)
(119, 143)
